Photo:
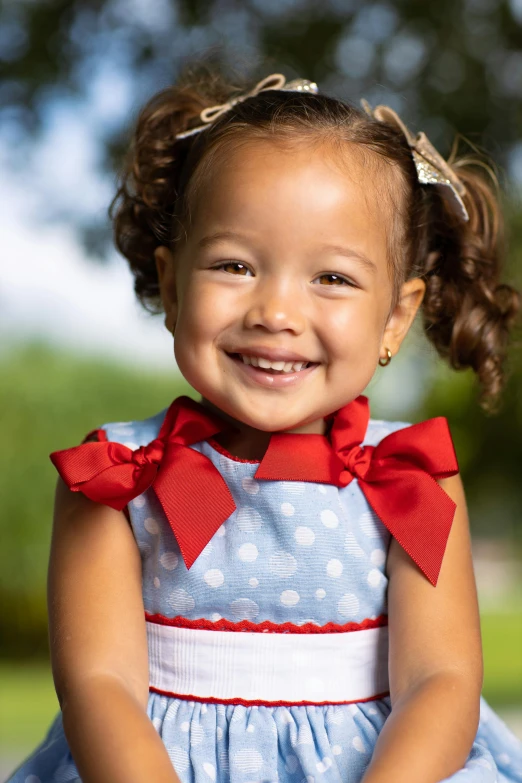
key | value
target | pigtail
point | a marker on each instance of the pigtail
(143, 209)
(468, 311)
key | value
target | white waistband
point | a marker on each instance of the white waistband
(268, 668)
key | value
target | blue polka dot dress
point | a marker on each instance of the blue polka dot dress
(296, 560)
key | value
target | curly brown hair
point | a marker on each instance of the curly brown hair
(467, 312)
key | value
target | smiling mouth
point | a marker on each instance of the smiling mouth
(280, 368)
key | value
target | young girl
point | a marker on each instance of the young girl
(266, 584)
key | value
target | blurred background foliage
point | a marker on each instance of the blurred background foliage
(446, 67)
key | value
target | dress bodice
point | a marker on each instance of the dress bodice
(292, 551)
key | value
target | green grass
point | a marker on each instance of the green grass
(28, 703)
(502, 648)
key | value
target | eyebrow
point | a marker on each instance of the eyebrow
(337, 249)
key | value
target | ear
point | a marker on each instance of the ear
(401, 318)
(166, 268)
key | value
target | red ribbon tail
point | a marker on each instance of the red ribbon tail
(418, 514)
(194, 517)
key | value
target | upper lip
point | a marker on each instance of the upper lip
(272, 354)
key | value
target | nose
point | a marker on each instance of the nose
(276, 305)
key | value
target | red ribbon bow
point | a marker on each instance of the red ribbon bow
(397, 477)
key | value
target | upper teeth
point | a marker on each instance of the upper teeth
(259, 361)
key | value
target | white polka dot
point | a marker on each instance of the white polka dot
(304, 536)
(138, 502)
(214, 577)
(247, 760)
(250, 728)
(244, 609)
(320, 594)
(221, 531)
(64, 773)
(157, 582)
(329, 519)
(248, 553)
(219, 733)
(204, 709)
(292, 487)
(480, 763)
(372, 711)
(289, 598)
(358, 744)
(215, 617)
(304, 736)
(334, 568)
(228, 466)
(145, 548)
(504, 758)
(179, 758)
(180, 600)
(287, 509)
(131, 445)
(248, 519)
(368, 523)
(210, 770)
(322, 489)
(253, 582)
(156, 722)
(207, 550)
(151, 526)
(351, 545)
(283, 564)
(374, 577)
(169, 560)
(32, 779)
(337, 750)
(197, 734)
(291, 764)
(185, 726)
(378, 556)
(250, 485)
(348, 605)
(323, 765)
(335, 716)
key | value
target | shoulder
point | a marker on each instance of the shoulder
(378, 429)
(132, 433)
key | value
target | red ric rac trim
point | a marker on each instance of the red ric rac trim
(259, 703)
(96, 435)
(222, 450)
(265, 627)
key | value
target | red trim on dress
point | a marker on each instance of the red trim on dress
(267, 626)
(222, 450)
(259, 703)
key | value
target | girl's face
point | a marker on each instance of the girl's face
(286, 258)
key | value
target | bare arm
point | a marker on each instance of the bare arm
(435, 662)
(98, 645)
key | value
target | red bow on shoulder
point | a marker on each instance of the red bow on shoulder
(397, 477)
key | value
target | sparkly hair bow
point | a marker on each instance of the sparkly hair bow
(431, 167)
(276, 81)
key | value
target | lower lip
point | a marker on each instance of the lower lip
(272, 380)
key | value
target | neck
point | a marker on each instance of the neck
(246, 442)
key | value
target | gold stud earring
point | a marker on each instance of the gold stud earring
(387, 360)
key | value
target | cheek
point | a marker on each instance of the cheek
(201, 318)
(353, 328)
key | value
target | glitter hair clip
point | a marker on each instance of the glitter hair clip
(275, 81)
(431, 167)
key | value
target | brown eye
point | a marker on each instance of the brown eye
(335, 280)
(235, 264)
